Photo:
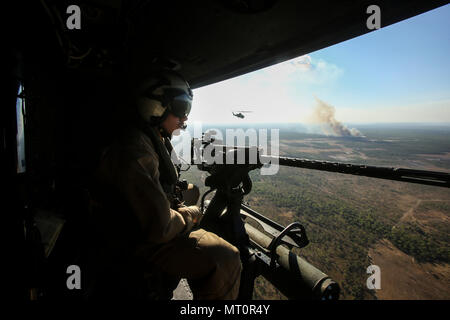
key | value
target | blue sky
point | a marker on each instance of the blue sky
(400, 73)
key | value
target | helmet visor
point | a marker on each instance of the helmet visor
(181, 105)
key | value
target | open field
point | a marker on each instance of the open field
(402, 277)
(353, 222)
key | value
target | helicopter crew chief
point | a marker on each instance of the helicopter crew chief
(140, 170)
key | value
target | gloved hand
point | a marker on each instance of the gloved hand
(191, 215)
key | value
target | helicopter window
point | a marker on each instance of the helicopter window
(381, 99)
(20, 112)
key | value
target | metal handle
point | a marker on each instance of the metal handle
(277, 240)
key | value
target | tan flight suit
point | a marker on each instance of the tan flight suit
(211, 264)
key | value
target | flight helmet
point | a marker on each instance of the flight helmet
(165, 91)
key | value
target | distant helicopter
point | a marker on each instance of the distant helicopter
(240, 114)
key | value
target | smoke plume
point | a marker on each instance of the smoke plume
(324, 114)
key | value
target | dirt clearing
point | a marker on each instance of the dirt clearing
(403, 278)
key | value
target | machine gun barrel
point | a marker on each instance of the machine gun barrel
(433, 178)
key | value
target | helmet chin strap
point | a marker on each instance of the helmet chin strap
(163, 132)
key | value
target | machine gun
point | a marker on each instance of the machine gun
(263, 254)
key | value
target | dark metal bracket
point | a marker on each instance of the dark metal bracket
(293, 228)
